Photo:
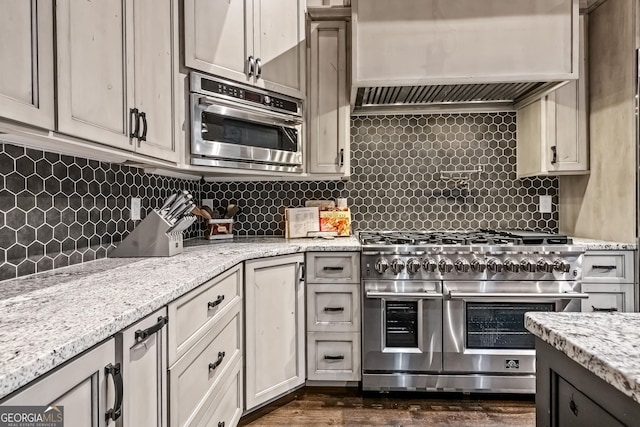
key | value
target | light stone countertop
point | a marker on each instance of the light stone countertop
(603, 245)
(607, 344)
(48, 318)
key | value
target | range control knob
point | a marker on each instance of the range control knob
(397, 265)
(413, 265)
(545, 266)
(462, 265)
(494, 265)
(478, 265)
(445, 266)
(381, 265)
(528, 265)
(561, 266)
(429, 264)
(511, 265)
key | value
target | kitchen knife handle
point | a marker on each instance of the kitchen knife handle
(116, 373)
(134, 122)
(142, 335)
(143, 137)
(212, 304)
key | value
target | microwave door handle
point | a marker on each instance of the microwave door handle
(478, 296)
(247, 113)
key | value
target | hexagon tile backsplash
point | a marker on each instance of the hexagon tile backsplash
(57, 210)
(397, 166)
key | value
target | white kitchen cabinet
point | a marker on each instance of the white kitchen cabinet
(333, 317)
(142, 352)
(415, 42)
(274, 328)
(552, 133)
(328, 100)
(26, 60)
(115, 75)
(260, 42)
(609, 279)
(81, 386)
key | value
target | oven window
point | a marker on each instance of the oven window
(230, 130)
(501, 325)
(401, 324)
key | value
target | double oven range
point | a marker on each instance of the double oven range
(444, 311)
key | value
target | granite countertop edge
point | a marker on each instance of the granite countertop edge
(602, 343)
(69, 310)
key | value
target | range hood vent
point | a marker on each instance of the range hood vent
(454, 97)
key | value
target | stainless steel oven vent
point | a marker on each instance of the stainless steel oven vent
(458, 97)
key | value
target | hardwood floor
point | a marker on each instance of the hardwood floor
(313, 406)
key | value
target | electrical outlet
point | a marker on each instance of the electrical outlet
(544, 205)
(207, 202)
(135, 208)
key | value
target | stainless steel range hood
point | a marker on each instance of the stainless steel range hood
(478, 97)
(460, 55)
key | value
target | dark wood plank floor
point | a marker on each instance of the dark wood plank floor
(349, 407)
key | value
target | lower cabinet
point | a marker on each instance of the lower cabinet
(141, 350)
(333, 356)
(609, 279)
(275, 332)
(84, 388)
(205, 353)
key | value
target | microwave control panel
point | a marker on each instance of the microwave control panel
(251, 97)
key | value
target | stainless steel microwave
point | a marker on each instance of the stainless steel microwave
(239, 126)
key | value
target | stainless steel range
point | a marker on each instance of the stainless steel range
(444, 311)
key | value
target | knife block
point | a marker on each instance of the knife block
(154, 236)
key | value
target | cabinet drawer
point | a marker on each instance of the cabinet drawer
(608, 267)
(576, 409)
(191, 315)
(333, 308)
(194, 377)
(333, 267)
(605, 297)
(226, 404)
(333, 356)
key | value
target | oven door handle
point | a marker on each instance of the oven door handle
(516, 295)
(246, 112)
(401, 295)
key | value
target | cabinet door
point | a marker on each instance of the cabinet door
(218, 37)
(142, 352)
(274, 329)
(80, 386)
(154, 56)
(26, 60)
(278, 45)
(328, 142)
(93, 97)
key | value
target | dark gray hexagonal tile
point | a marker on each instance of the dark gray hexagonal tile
(26, 200)
(26, 235)
(7, 271)
(60, 231)
(16, 253)
(26, 267)
(25, 166)
(15, 182)
(35, 184)
(7, 164)
(44, 264)
(15, 218)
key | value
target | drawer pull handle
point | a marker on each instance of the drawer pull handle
(573, 407)
(330, 268)
(214, 365)
(605, 267)
(213, 304)
(142, 335)
(221, 424)
(334, 309)
(340, 357)
(606, 310)
(116, 373)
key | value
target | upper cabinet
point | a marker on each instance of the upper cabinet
(328, 100)
(552, 135)
(26, 60)
(260, 42)
(417, 42)
(115, 73)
